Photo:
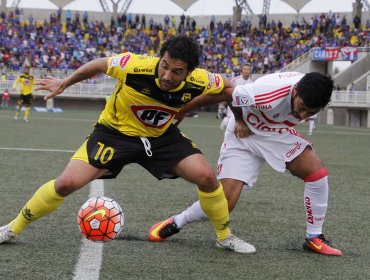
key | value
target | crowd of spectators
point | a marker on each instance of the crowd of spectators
(65, 41)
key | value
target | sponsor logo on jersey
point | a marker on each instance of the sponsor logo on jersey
(192, 79)
(143, 70)
(294, 150)
(256, 122)
(145, 91)
(276, 115)
(152, 116)
(114, 62)
(308, 210)
(26, 82)
(217, 80)
(211, 79)
(186, 97)
(289, 74)
(263, 107)
(124, 60)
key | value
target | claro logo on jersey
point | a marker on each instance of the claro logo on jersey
(258, 123)
(152, 116)
(124, 60)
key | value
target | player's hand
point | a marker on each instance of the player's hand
(179, 117)
(241, 129)
(54, 85)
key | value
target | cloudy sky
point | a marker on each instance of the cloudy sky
(202, 7)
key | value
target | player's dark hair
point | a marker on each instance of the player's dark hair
(315, 89)
(182, 48)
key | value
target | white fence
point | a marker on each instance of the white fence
(341, 98)
(77, 90)
(351, 98)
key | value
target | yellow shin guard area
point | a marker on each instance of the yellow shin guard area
(214, 204)
(44, 201)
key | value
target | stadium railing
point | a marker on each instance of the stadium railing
(350, 99)
(83, 90)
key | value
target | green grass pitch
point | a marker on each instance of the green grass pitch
(271, 216)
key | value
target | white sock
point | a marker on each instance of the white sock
(190, 215)
(311, 125)
(316, 202)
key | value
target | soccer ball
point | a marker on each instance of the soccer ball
(100, 219)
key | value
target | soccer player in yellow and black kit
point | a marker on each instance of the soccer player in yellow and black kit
(136, 127)
(27, 81)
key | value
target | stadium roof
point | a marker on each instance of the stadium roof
(190, 7)
(186, 4)
(295, 4)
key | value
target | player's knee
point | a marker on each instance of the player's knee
(65, 185)
(207, 181)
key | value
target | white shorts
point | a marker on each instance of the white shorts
(242, 158)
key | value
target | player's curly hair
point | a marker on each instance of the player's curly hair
(315, 89)
(182, 48)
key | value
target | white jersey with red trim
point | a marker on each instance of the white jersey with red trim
(266, 103)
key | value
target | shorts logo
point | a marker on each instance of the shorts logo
(294, 150)
(219, 168)
(153, 116)
(124, 60)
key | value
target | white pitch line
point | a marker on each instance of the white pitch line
(37, 150)
(91, 253)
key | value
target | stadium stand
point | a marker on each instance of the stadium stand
(61, 43)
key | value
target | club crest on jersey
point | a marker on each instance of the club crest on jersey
(243, 100)
(152, 116)
(186, 97)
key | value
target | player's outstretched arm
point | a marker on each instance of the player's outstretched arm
(205, 100)
(56, 86)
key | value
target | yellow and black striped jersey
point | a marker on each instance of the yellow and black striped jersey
(138, 107)
(26, 82)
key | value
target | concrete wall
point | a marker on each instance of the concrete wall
(354, 72)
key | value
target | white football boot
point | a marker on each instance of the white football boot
(236, 245)
(6, 234)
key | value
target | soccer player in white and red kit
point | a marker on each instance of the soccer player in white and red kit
(264, 131)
